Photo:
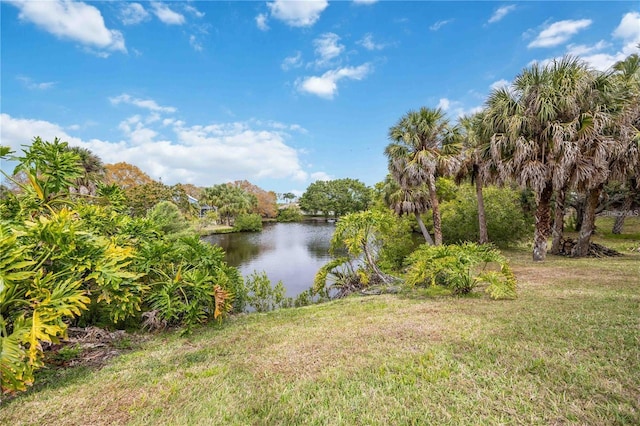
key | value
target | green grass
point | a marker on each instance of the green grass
(567, 351)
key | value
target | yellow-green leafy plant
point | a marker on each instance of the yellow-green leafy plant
(461, 268)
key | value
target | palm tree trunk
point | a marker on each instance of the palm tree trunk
(626, 206)
(482, 218)
(543, 224)
(558, 221)
(581, 249)
(423, 228)
(435, 209)
(580, 206)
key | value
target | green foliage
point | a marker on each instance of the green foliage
(398, 242)
(230, 200)
(290, 213)
(461, 268)
(67, 259)
(362, 236)
(262, 296)
(340, 197)
(248, 223)
(506, 221)
(168, 219)
(188, 297)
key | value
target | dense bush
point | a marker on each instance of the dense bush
(167, 218)
(248, 223)
(507, 223)
(82, 261)
(290, 213)
(460, 268)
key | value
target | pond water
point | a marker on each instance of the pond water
(287, 252)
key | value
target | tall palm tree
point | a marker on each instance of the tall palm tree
(407, 201)
(625, 166)
(423, 147)
(476, 164)
(531, 141)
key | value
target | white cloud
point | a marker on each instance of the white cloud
(32, 85)
(368, 43)
(626, 36)
(141, 103)
(456, 108)
(501, 12)
(500, 84)
(444, 104)
(326, 85)
(195, 12)
(327, 47)
(581, 49)
(202, 155)
(559, 32)
(261, 22)
(365, 2)
(437, 25)
(166, 15)
(629, 28)
(320, 176)
(133, 13)
(290, 62)
(297, 13)
(193, 41)
(75, 21)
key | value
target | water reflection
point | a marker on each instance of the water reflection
(291, 252)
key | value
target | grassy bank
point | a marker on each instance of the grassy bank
(567, 351)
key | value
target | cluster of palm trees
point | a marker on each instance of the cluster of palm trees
(558, 128)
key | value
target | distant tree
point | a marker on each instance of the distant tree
(141, 198)
(93, 171)
(267, 205)
(125, 175)
(289, 196)
(229, 200)
(316, 198)
(340, 197)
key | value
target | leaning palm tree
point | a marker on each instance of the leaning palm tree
(423, 147)
(531, 143)
(403, 200)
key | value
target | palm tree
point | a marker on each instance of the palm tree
(230, 200)
(532, 142)
(422, 147)
(93, 171)
(407, 201)
(626, 165)
(476, 164)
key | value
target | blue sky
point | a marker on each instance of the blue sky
(280, 93)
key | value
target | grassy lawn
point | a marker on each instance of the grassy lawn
(567, 351)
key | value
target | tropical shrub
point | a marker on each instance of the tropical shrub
(291, 213)
(461, 268)
(168, 219)
(507, 223)
(66, 259)
(261, 295)
(248, 223)
(361, 236)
